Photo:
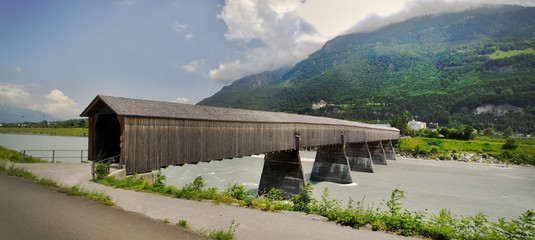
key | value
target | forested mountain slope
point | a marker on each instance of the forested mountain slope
(475, 67)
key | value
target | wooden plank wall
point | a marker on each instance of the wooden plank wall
(151, 143)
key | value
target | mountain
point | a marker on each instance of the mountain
(9, 114)
(237, 94)
(439, 68)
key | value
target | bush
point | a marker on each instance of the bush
(237, 192)
(101, 170)
(159, 182)
(304, 199)
(510, 144)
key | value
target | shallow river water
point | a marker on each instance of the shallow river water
(463, 188)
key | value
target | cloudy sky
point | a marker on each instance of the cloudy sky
(57, 55)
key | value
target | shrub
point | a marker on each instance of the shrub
(237, 192)
(101, 170)
(159, 182)
(183, 224)
(228, 234)
(304, 199)
(510, 144)
(274, 194)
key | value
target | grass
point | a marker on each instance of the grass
(71, 191)
(391, 217)
(89, 195)
(183, 224)
(17, 157)
(484, 147)
(505, 54)
(228, 234)
(76, 132)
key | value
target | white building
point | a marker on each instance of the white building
(416, 125)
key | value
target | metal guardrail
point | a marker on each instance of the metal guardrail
(55, 155)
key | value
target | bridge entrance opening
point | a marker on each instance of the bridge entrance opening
(108, 134)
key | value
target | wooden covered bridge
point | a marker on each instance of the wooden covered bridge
(149, 135)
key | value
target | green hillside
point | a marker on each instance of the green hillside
(439, 68)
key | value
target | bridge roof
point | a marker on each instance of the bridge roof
(158, 109)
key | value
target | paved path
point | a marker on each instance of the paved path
(32, 211)
(203, 215)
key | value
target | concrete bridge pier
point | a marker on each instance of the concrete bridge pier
(377, 153)
(282, 170)
(359, 157)
(390, 153)
(331, 164)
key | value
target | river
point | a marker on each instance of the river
(463, 188)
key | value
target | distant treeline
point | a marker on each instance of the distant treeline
(72, 123)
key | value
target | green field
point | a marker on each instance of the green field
(505, 54)
(484, 147)
(78, 132)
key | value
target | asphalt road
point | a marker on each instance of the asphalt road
(32, 211)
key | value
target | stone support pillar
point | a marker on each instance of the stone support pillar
(390, 153)
(377, 152)
(359, 157)
(331, 164)
(282, 170)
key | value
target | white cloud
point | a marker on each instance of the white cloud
(415, 8)
(58, 104)
(18, 70)
(289, 30)
(189, 36)
(194, 66)
(54, 103)
(179, 27)
(14, 95)
(286, 37)
(182, 100)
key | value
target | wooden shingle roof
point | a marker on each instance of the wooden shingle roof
(158, 109)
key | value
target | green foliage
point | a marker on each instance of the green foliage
(77, 132)
(48, 182)
(506, 54)
(302, 202)
(403, 222)
(238, 192)
(521, 228)
(439, 68)
(481, 147)
(183, 224)
(18, 172)
(228, 234)
(89, 195)
(14, 156)
(274, 194)
(441, 226)
(400, 122)
(101, 170)
(159, 181)
(510, 144)
(394, 218)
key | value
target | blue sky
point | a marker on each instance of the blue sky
(57, 55)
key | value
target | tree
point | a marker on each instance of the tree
(401, 122)
(508, 132)
(468, 132)
(489, 132)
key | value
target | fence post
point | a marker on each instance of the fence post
(53, 156)
(81, 156)
(23, 155)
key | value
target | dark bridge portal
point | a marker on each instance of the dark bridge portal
(149, 135)
(108, 134)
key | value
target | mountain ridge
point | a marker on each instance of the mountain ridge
(437, 67)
